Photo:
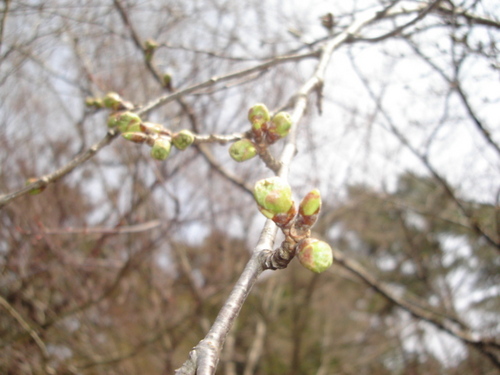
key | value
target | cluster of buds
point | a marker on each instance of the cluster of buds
(274, 200)
(160, 140)
(266, 130)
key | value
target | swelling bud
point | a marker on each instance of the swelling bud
(161, 149)
(258, 115)
(279, 127)
(274, 198)
(125, 122)
(112, 100)
(315, 255)
(183, 139)
(242, 150)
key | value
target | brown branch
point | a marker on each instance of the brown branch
(204, 357)
(483, 345)
(473, 224)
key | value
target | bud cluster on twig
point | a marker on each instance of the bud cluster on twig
(265, 130)
(274, 200)
(135, 130)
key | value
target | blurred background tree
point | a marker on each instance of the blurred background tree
(121, 265)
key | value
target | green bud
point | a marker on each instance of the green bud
(35, 191)
(183, 139)
(125, 122)
(150, 44)
(161, 149)
(279, 127)
(274, 196)
(112, 100)
(258, 115)
(242, 150)
(167, 81)
(315, 255)
(311, 204)
(135, 137)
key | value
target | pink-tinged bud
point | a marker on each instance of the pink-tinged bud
(183, 139)
(112, 100)
(279, 127)
(161, 148)
(242, 150)
(308, 214)
(311, 204)
(135, 137)
(315, 255)
(274, 197)
(125, 122)
(258, 116)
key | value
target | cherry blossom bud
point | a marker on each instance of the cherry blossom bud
(161, 148)
(274, 198)
(258, 116)
(315, 255)
(149, 47)
(125, 122)
(279, 127)
(183, 139)
(112, 100)
(242, 150)
(308, 210)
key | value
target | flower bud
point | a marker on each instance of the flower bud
(125, 122)
(274, 197)
(94, 102)
(161, 148)
(315, 255)
(112, 100)
(311, 204)
(242, 150)
(279, 127)
(183, 139)
(135, 137)
(258, 115)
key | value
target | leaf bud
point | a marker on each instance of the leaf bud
(161, 148)
(279, 127)
(274, 197)
(34, 191)
(242, 150)
(167, 81)
(135, 137)
(258, 115)
(183, 139)
(315, 255)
